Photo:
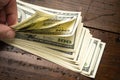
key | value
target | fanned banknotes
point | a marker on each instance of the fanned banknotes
(58, 36)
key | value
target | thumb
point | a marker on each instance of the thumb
(6, 32)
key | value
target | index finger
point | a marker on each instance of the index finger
(11, 12)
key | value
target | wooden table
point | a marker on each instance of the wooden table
(102, 17)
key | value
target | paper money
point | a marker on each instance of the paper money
(87, 64)
(50, 55)
(63, 14)
(45, 24)
(61, 43)
(90, 67)
(42, 52)
(56, 42)
(72, 47)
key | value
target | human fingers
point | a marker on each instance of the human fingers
(2, 17)
(3, 3)
(11, 12)
(6, 32)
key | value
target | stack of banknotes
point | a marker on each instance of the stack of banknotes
(58, 36)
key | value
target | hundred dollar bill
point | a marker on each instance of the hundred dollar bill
(65, 49)
(79, 51)
(81, 56)
(65, 14)
(97, 60)
(58, 42)
(69, 44)
(93, 50)
(42, 23)
(44, 53)
(65, 62)
(37, 18)
(85, 40)
(33, 7)
(93, 59)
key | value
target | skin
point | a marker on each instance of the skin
(8, 17)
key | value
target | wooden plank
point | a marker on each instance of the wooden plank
(100, 14)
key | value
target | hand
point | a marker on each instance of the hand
(8, 17)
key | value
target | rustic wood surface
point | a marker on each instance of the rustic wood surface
(16, 64)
